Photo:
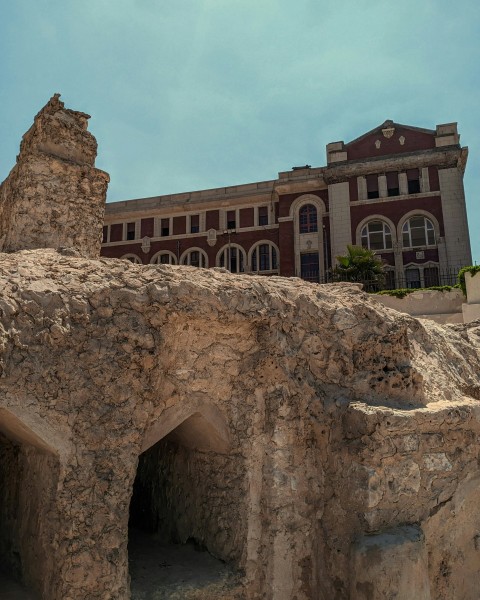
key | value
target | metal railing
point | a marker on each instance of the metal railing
(410, 279)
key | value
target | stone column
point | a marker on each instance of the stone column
(362, 187)
(454, 211)
(403, 184)
(382, 186)
(340, 220)
(424, 180)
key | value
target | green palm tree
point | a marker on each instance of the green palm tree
(360, 265)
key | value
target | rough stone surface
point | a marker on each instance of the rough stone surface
(303, 416)
(316, 441)
(54, 196)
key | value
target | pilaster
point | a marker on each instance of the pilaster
(340, 220)
(457, 240)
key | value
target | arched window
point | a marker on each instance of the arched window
(195, 258)
(307, 218)
(264, 258)
(133, 258)
(376, 235)
(164, 258)
(418, 231)
(232, 257)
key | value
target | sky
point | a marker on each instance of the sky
(195, 94)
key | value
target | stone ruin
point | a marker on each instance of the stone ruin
(319, 444)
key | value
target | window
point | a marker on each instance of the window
(133, 258)
(393, 188)
(372, 186)
(310, 266)
(264, 258)
(232, 258)
(262, 215)
(430, 276)
(165, 227)
(307, 218)
(413, 178)
(376, 235)
(412, 277)
(389, 279)
(418, 231)
(130, 231)
(195, 258)
(105, 234)
(194, 223)
(164, 258)
(231, 219)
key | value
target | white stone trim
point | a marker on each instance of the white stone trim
(413, 213)
(421, 267)
(224, 248)
(363, 222)
(252, 250)
(137, 260)
(185, 254)
(308, 242)
(161, 253)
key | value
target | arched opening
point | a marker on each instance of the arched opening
(186, 517)
(29, 470)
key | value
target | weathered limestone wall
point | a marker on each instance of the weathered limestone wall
(194, 494)
(27, 492)
(441, 307)
(336, 418)
(322, 443)
(54, 196)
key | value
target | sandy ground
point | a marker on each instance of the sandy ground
(176, 572)
(9, 590)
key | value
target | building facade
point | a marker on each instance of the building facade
(397, 190)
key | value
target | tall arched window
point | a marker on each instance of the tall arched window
(376, 235)
(307, 218)
(164, 258)
(264, 258)
(195, 258)
(133, 258)
(232, 257)
(418, 231)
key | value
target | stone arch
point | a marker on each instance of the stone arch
(31, 453)
(133, 258)
(172, 259)
(184, 492)
(185, 257)
(241, 263)
(254, 249)
(376, 217)
(422, 213)
(206, 423)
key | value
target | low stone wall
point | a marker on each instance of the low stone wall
(471, 309)
(441, 307)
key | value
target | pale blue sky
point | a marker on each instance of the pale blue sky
(187, 94)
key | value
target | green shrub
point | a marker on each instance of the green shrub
(473, 270)
(402, 292)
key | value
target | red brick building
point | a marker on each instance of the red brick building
(396, 189)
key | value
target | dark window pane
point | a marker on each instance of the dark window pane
(194, 223)
(130, 231)
(413, 278)
(104, 234)
(310, 267)
(263, 215)
(430, 274)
